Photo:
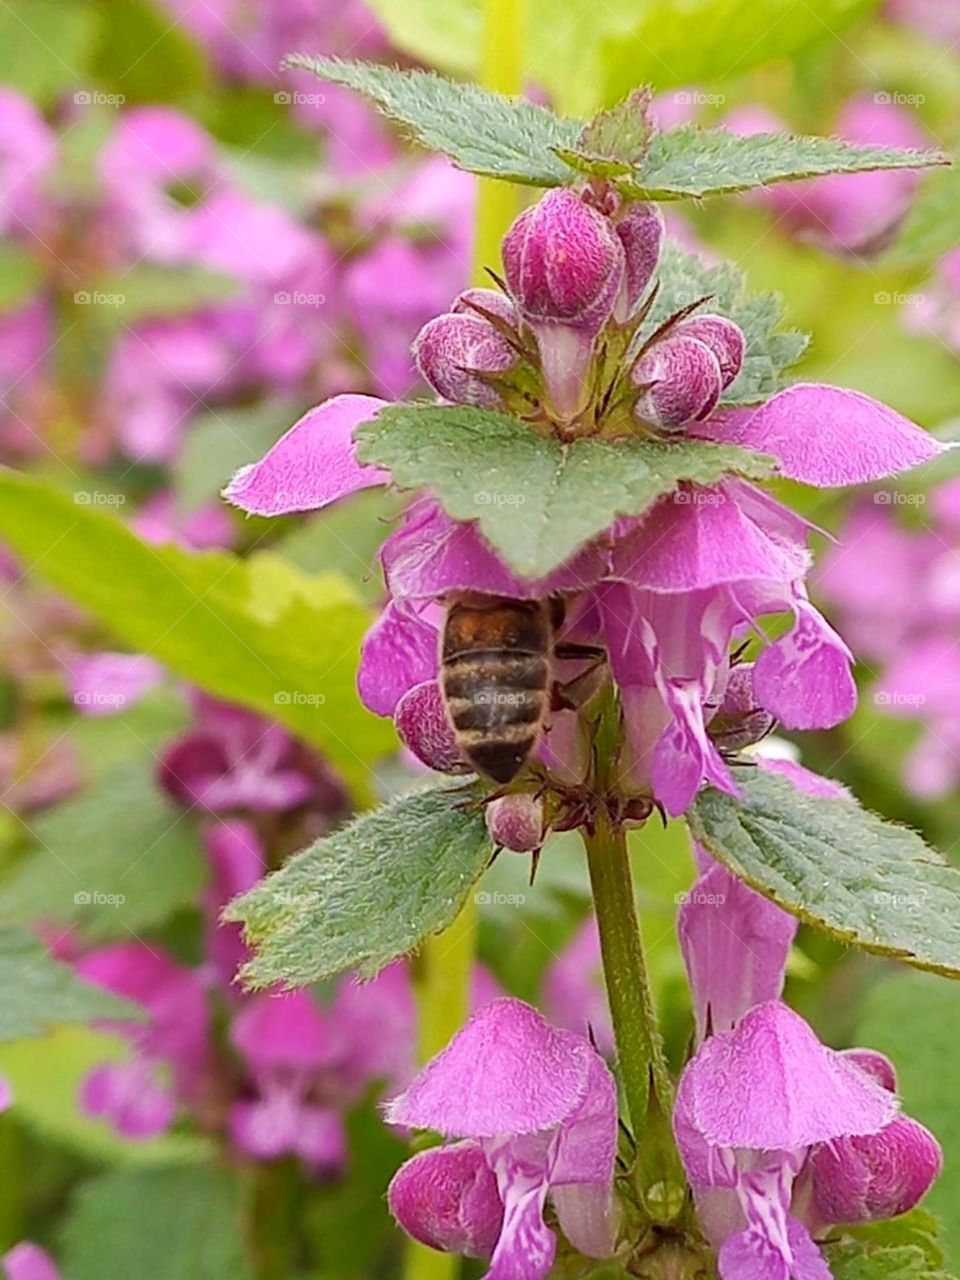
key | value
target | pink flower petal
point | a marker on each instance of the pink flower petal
(770, 1085)
(506, 1072)
(399, 651)
(311, 466)
(825, 436)
(27, 1261)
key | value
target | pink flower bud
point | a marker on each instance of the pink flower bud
(681, 381)
(492, 301)
(449, 346)
(447, 1198)
(878, 1176)
(564, 266)
(516, 822)
(641, 234)
(739, 720)
(724, 338)
(421, 721)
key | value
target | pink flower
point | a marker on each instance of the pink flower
(134, 1095)
(27, 1261)
(106, 684)
(535, 1111)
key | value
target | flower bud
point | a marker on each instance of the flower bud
(447, 1198)
(680, 380)
(448, 347)
(564, 266)
(723, 337)
(641, 234)
(878, 1176)
(516, 822)
(421, 721)
(739, 720)
(492, 301)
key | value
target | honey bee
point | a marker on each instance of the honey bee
(496, 675)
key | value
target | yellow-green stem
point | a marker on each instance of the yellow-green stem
(445, 962)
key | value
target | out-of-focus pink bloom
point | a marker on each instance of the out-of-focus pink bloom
(937, 310)
(852, 213)
(307, 1063)
(237, 862)
(936, 20)
(536, 1111)
(235, 761)
(28, 154)
(573, 992)
(26, 339)
(27, 1261)
(135, 1096)
(107, 684)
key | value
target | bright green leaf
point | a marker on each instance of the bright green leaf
(146, 57)
(865, 881)
(932, 226)
(898, 1262)
(115, 859)
(536, 500)
(615, 141)
(256, 631)
(913, 1018)
(37, 992)
(184, 1222)
(366, 894)
(482, 132)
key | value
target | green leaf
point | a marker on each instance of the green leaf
(691, 161)
(615, 141)
(867, 882)
(869, 1260)
(536, 500)
(45, 46)
(932, 226)
(366, 894)
(256, 631)
(480, 131)
(116, 859)
(37, 992)
(771, 350)
(184, 1222)
(513, 139)
(913, 1018)
(46, 1074)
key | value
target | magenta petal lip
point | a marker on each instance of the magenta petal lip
(826, 436)
(312, 465)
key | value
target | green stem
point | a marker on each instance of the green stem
(647, 1083)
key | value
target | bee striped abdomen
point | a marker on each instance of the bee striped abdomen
(495, 678)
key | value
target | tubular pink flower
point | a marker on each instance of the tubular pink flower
(537, 1107)
(640, 230)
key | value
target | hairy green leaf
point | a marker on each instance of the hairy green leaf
(615, 141)
(536, 500)
(366, 894)
(256, 631)
(480, 131)
(892, 1262)
(184, 1222)
(913, 1018)
(691, 161)
(867, 882)
(37, 992)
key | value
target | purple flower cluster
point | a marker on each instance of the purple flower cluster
(664, 594)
